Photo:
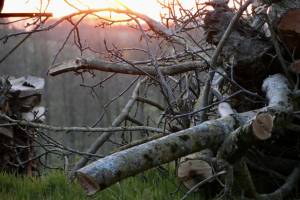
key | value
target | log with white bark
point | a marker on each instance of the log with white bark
(115, 167)
(210, 134)
(259, 128)
(239, 141)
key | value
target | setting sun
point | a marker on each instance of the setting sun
(60, 7)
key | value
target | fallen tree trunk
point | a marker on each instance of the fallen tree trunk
(210, 134)
(115, 167)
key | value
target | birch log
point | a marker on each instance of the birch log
(113, 168)
(210, 134)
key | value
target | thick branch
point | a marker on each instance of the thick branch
(109, 170)
(101, 65)
(238, 142)
(259, 128)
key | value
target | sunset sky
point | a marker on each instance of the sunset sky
(60, 8)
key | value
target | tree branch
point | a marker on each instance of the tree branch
(115, 167)
(101, 65)
(80, 129)
(210, 134)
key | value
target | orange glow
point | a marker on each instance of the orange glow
(60, 8)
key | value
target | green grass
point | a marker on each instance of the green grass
(152, 185)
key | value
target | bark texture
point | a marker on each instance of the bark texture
(210, 134)
(115, 167)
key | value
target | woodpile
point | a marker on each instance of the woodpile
(252, 65)
(253, 136)
(19, 99)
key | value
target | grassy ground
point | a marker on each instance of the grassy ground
(152, 185)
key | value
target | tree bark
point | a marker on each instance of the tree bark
(210, 134)
(238, 142)
(113, 168)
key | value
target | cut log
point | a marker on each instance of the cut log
(210, 134)
(107, 171)
(195, 168)
(238, 142)
(81, 64)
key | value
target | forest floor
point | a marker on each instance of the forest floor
(152, 185)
